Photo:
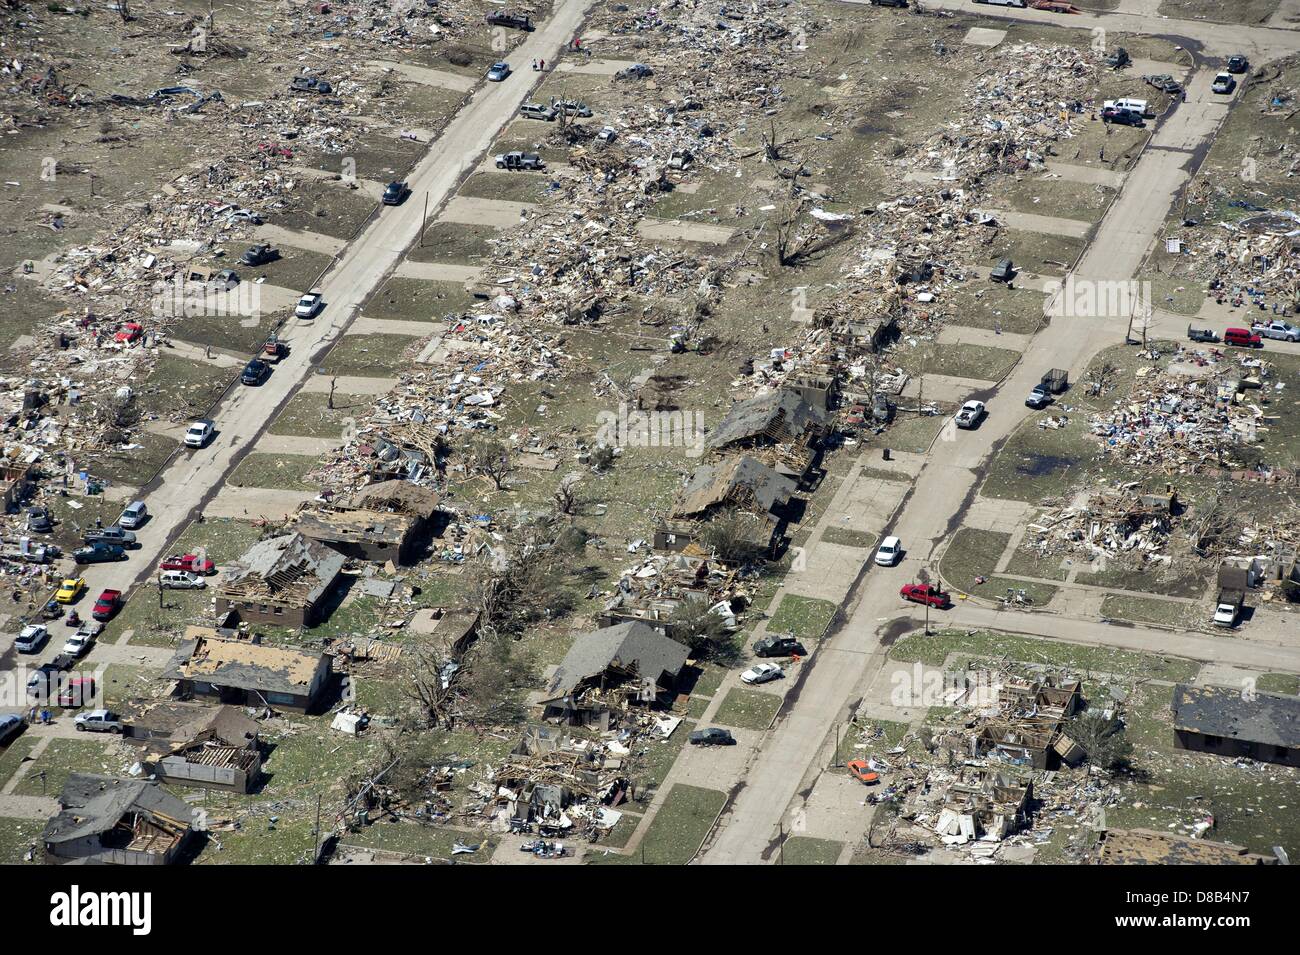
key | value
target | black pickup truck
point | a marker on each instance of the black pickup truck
(514, 21)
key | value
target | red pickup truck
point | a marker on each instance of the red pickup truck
(925, 594)
(191, 562)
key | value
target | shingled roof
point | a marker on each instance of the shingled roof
(1265, 718)
(284, 565)
(782, 411)
(627, 644)
(243, 665)
(713, 484)
(93, 805)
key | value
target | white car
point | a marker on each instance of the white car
(181, 580)
(1223, 83)
(762, 673)
(310, 304)
(889, 552)
(78, 644)
(970, 415)
(31, 638)
(198, 434)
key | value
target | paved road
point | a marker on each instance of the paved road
(194, 476)
(842, 669)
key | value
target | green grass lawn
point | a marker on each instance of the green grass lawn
(935, 649)
(805, 850)
(848, 537)
(16, 837)
(61, 757)
(369, 356)
(679, 827)
(282, 471)
(13, 755)
(308, 414)
(748, 709)
(1168, 613)
(805, 617)
(434, 842)
(1285, 683)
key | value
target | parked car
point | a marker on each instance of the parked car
(1119, 59)
(762, 673)
(925, 594)
(607, 134)
(1202, 335)
(10, 726)
(637, 71)
(43, 682)
(199, 432)
(133, 515)
(889, 552)
(1165, 83)
(76, 693)
(537, 111)
(192, 563)
(255, 372)
(1242, 338)
(260, 254)
(110, 535)
(63, 661)
(1282, 331)
(78, 645)
(514, 21)
(520, 160)
(1223, 83)
(498, 72)
(1004, 271)
(861, 770)
(70, 590)
(107, 606)
(779, 647)
(31, 638)
(395, 193)
(181, 580)
(100, 553)
(1040, 396)
(970, 415)
(309, 305)
(310, 84)
(39, 521)
(713, 736)
(572, 108)
(1019, 4)
(98, 721)
(1238, 64)
(1123, 117)
(273, 350)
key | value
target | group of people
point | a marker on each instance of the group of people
(44, 714)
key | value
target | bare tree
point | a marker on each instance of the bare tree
(800, 238)
(1102, 377)
(735, 536)
(567, 497)
(491, 458)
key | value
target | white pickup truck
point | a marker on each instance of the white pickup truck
(1283, 331)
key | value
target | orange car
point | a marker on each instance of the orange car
(860, 770)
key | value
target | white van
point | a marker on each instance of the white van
(181, 580)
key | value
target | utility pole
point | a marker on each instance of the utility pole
(424, 222)
(315, 854)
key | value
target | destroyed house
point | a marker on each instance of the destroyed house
(362, 534)
(740, 482)
(282, 580)
(245, 673)
(1228, 722)
(108, 821)
(612, 668)
(779, 420)
(983, 804)
(1150, 847)
(399, 497)
(194, 744)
